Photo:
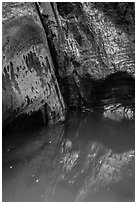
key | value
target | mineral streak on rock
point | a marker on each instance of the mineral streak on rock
(29, 81)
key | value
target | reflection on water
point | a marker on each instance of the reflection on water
(85, 159)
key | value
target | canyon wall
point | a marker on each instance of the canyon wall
(58, 56)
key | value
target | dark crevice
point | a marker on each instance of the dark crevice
(69, 9)
(26, 122)
(115, 88)
(56, 61)
(50, 42)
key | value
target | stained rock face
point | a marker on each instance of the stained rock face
(66, 52)
(29, 81)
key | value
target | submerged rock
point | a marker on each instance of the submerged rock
(118, 112)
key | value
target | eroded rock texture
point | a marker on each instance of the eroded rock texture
(67, 47)
(29, 81)
(90, 41)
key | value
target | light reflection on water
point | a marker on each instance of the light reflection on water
(84, 159)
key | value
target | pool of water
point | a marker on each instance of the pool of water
(87, 158)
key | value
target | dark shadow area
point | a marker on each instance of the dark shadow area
(69, 9)
(115, 88)
(26, 122)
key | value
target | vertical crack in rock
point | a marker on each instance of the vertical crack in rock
(90, 43)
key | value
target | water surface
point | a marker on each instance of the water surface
(88, 158)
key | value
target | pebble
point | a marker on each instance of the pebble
(94, 155)
(68, 144)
